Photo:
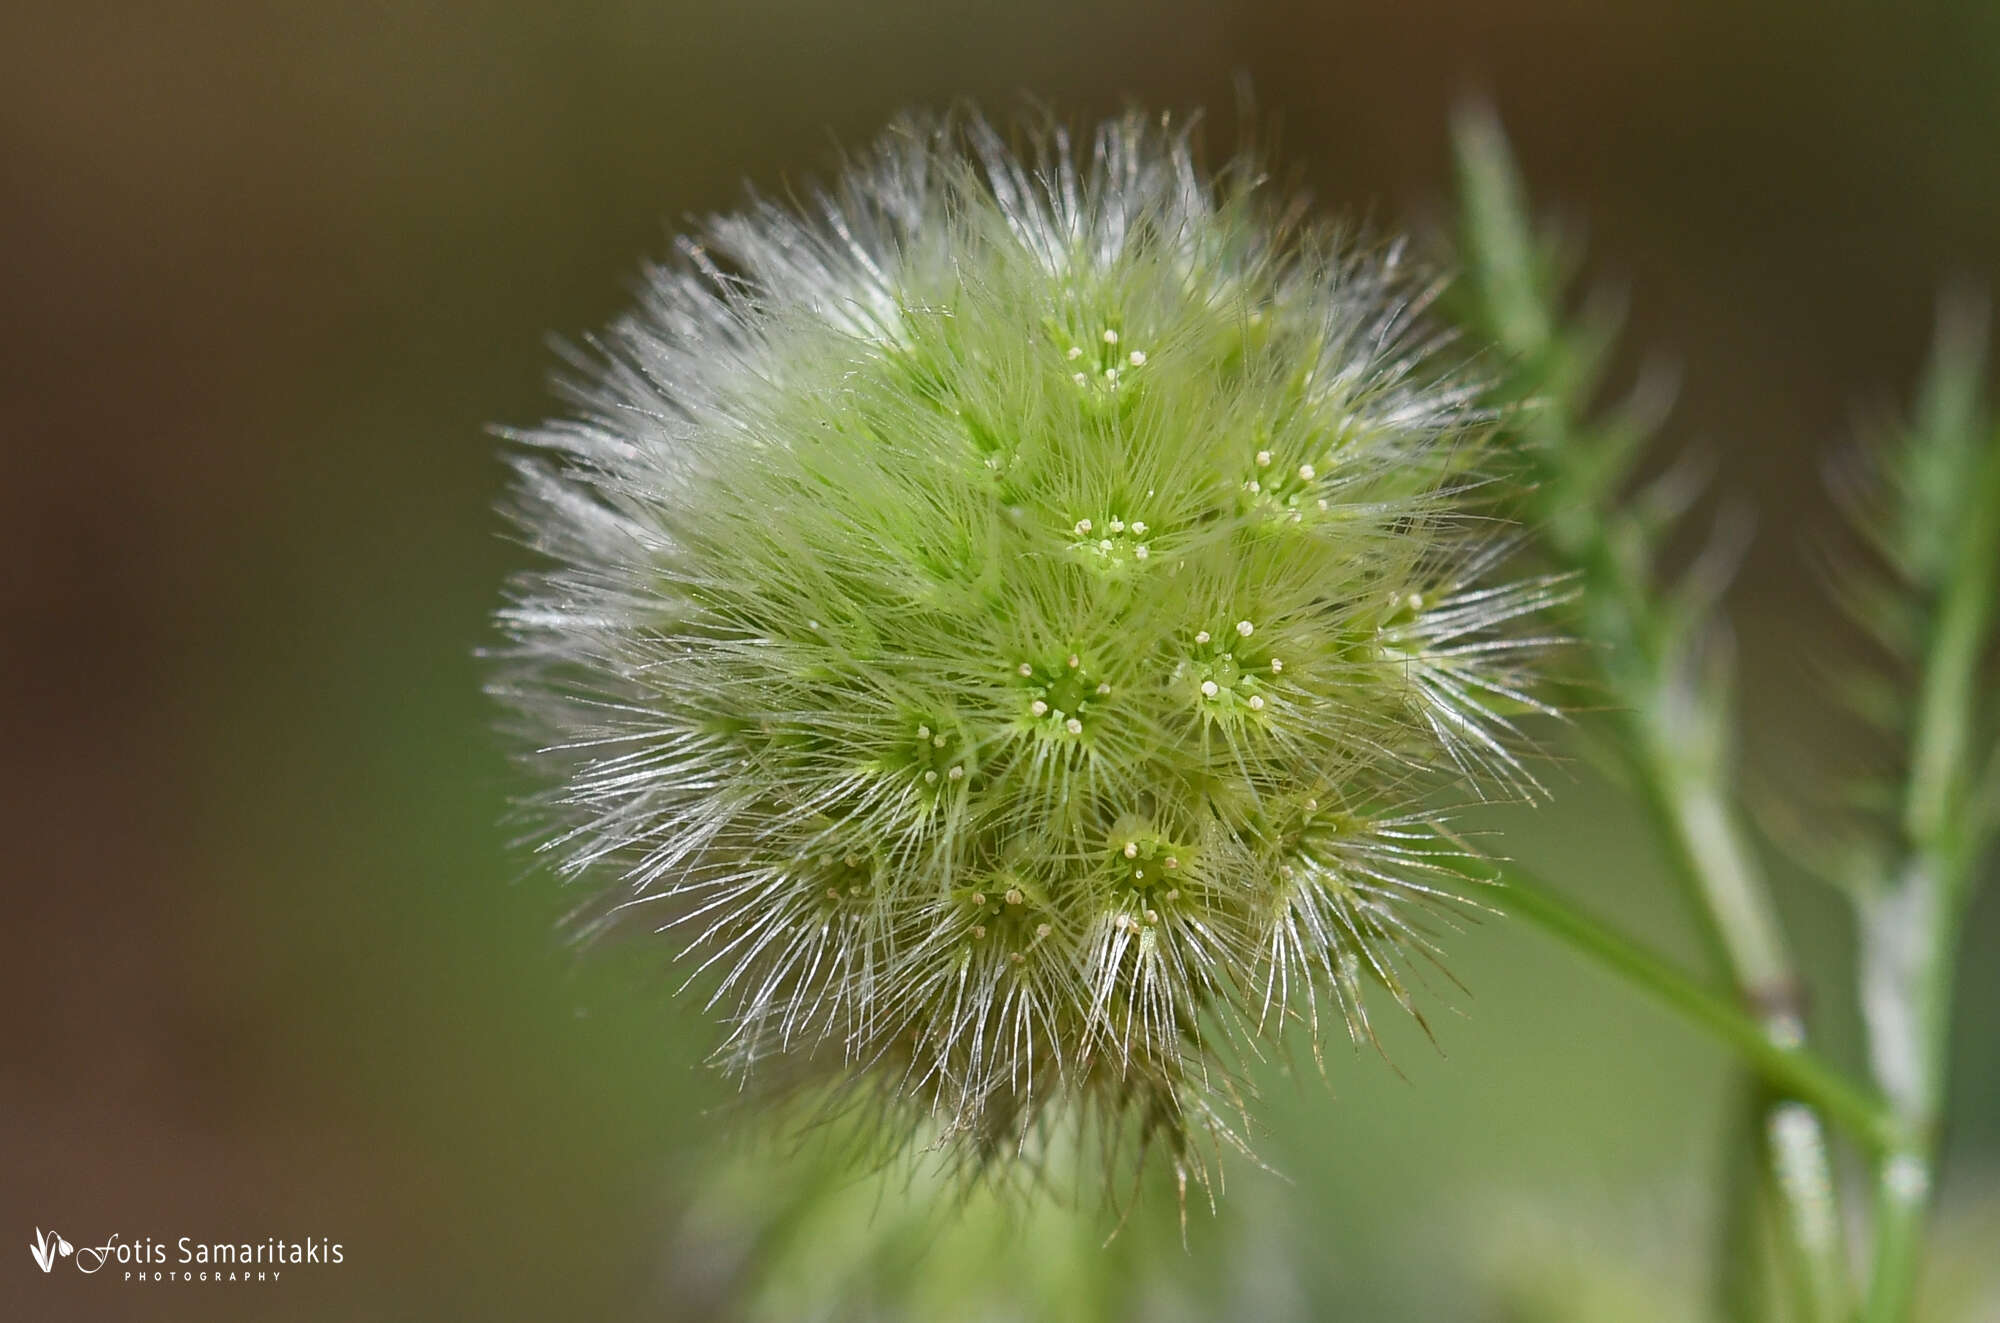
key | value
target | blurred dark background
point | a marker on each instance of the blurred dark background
(270, 967)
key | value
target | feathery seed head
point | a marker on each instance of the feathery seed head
(1003, 619)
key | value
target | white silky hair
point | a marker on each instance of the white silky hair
(1005, 614)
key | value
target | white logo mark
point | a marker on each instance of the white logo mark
(46, 1247)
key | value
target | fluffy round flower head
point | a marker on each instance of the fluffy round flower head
(1006, 617)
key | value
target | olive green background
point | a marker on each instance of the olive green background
(270, 966)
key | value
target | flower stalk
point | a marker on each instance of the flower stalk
(1658, 655)
(1909, 924)
(1792, 1071)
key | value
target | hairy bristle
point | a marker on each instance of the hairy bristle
(1005, 618)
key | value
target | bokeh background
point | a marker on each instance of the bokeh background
(269, 965)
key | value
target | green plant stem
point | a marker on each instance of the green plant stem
(1739, 1288)
(1907, 964)
(1728, 890)
(1675, 725)
(1675, 742)
(1801, 1170)
(1908, 932)
(1791, 1071)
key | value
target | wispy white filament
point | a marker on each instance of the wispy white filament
(1004, 616)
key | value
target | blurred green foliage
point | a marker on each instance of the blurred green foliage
(277, 970)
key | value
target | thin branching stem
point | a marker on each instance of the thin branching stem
(1657, 657)
(1908, 929)
(1791, 1071)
